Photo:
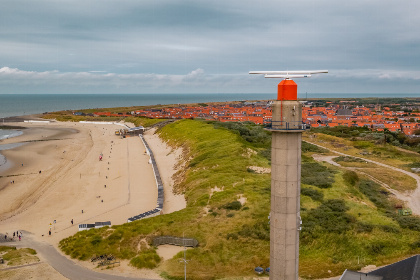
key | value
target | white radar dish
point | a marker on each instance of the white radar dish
(288, 74)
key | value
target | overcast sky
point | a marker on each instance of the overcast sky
(173, 46)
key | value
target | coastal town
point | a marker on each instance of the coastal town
(391, 117)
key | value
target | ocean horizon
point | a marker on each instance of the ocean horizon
(12, 105)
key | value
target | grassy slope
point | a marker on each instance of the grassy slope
(220, 158)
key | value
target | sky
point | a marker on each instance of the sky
(174, 46)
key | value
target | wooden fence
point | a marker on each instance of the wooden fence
(172, 240)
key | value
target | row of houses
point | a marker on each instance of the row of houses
(256, 112)
(377, 120)
(331, 115)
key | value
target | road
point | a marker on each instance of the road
(60, 263)
(413, 199)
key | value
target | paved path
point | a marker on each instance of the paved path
(60, 263)
(413, 199)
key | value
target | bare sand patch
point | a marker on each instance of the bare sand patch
(260, 170)
(168, 251)
(37, 271)
(169, 160)
(328, 159)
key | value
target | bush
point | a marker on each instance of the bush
(350, 177)
(260, 230)
(250, 132)
(330, 216)
(314, 194)
(6, 248)
(146, 259)
(390, 229)
(363, 227)
(234, 205)
(266, 153)
(96, 239)
(317, 175)
(375, 194)
(415, 245)
(376, 248)
(410, 222)
(307, 147)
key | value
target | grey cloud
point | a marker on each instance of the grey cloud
(223, 37)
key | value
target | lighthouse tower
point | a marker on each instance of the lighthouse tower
(287, 128)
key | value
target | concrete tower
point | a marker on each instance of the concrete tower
(285, 222)
(285, 182)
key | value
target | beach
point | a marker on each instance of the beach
(56, 177)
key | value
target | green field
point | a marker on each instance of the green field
(348, 220)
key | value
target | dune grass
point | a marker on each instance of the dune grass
(347, 220)
(20, 256)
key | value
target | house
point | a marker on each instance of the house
(406, 269)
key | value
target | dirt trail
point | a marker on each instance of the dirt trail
(412, 199)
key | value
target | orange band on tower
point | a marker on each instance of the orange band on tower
(287, 90)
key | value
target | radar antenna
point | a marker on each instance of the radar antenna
(287, 75)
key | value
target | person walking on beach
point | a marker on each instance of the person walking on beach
(49, 232)
(72, 221)
(14, 234)
(19, 237)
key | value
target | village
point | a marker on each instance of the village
(344, 113)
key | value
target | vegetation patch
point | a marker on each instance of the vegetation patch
(317, 175)
(14, 257)
(146, 259)
(312, 193)
(234, 205)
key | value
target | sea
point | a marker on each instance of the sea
(26, 104)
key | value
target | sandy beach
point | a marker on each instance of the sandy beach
(56, 177)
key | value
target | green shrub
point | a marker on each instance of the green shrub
(388, 228)
(250, 132)
(260, 230)
(415, 245)
(375, 193)
(350, 177)
(7, 248)
(234, 205)
(96, 239)
(146, 259)
(363, 227)
(315, 174)
(312, 193)
(307, 147)
(410, 222)
(266, 153)
(376, 248)
(330, 216)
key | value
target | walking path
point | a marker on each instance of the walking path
(60, 263)
(413, 199)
